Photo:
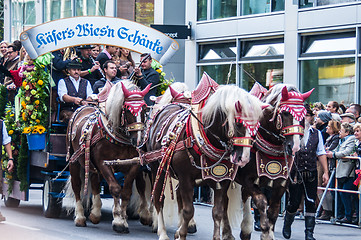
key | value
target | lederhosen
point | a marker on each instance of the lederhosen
(304, 169)
(81, 93)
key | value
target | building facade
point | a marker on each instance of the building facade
(308, 43)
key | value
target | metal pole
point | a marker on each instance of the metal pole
(325, 192)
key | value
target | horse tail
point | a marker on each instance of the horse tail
(133, 207)
(170, 208)
(234, 210)
(69, 199)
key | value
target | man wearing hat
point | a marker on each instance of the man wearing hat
(89, 70)
(303, 177)
(72, 91)
(348, 117)
(323, 117)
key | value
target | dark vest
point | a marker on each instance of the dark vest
(1, 137)
(306, 157)
(73, 93)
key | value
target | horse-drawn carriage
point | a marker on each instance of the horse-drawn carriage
(203, 137)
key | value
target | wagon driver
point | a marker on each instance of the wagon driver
(73, 91)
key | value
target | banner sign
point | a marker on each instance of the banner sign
(67, 32)
(174, 31)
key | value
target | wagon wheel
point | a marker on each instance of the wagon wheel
(11, 202)
(51, 205)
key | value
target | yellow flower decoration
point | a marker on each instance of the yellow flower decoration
(37, 102)
(158, 70)
(27, 130)
(23, 104)
(11, 132)
(40, 82)
(24, 84)
(37, 121)
(12, 115)
(24, 116)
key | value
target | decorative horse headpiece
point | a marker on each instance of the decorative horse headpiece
(251, 125)
(134, 100)
(181, 97)
(292, 102)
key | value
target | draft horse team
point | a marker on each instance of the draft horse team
(219, 136)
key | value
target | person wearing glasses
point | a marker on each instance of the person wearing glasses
(146, 75)
(11, 63)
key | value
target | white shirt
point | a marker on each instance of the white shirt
(62, 90)
(6, 137)
(320, 147)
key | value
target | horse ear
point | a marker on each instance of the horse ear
(284, 94)
(307, 94)
(238, 107)
(265, 105)
(125, 91)
(146, 90)
(173, 92)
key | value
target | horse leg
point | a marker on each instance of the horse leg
(144, 213)
(192, 226)
(95, 213)
(115, 191)
(274, 208)
(227, 230)
(186, 187)
(76, 183)
(261, 203)
(247, 221)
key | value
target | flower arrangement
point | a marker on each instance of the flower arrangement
(14, 132)
(34, 94)
(163, 83)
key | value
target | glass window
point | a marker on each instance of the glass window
(56, 9)
(144, 12)
(23, 16)
(202, 10)
(263, 48)
(217, 51)
(223, 9)
(266, 73)
(219, 73)
(343, 43)
(90, 7)
(262, 6)
(311, 3)
(333, 79)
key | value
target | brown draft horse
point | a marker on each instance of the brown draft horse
(278, 138)
(93, 137)
(227, 120)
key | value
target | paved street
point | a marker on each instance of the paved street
(27, 222)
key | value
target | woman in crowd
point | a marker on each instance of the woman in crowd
(3, 51)
(125, 63)
(95, 51)
(345, 170)
(331, 143)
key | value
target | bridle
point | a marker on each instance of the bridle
(135, 106)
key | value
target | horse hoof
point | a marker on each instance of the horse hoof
(244, 236)
(120, 229)
(146, 221)
(80, 224)
(94, 219)
(192, 229)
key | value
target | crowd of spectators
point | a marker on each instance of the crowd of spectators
(340, 128)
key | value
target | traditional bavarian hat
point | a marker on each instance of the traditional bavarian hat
(74, 64)
(86, 47)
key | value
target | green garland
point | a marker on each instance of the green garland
(163, 82)
(23, 164)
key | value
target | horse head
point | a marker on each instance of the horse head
(134, 113)
(126, 110)
(284, 120)
(238, 112)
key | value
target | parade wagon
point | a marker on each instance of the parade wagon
(38, 137)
